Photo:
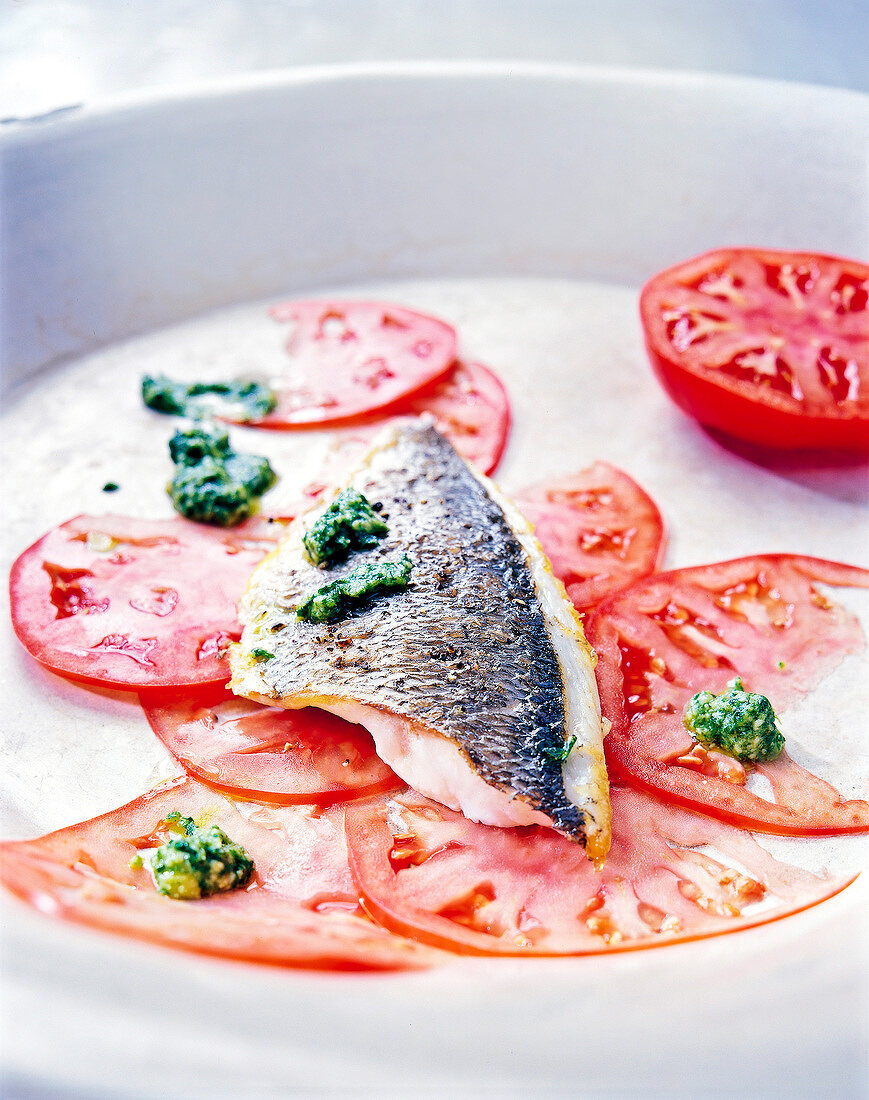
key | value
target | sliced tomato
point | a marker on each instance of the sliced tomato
(598, 528)
(300, 908)
(427, 872)
(673, 634)
(770, 347)
(471, 408)
(348, 358)
(283, 755)
(133, 603)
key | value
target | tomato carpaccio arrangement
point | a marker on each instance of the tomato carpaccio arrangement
(317, 826)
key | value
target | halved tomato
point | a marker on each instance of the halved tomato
(770, 347)
(134, 603)
(598, 528)
(427, 872)
(673, 634)
(300, 908)
(282, 755)
(348, 358)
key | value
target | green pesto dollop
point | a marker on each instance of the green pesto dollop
(737, 722)
(334, 600)
(189, 446)
(237, 400)
(254, 471)
(198, 862)
(206, 493)
(213, 484)
(349, 523)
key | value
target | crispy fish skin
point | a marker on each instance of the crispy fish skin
(465, 652)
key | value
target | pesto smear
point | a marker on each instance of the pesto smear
(198, 862)
(560, 754)
(236, 400)
(334, 600)
(349, 523)
(737, 722)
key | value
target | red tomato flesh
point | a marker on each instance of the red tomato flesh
(427, 872)
(770, 347)
(300, 909)
(282, 755)
(349, 358)
(673, 634)
(133, 603)
(598, 528)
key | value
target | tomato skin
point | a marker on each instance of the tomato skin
(739, 415)
(672, 634)
(706, 377)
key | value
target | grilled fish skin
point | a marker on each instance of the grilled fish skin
(476, 682)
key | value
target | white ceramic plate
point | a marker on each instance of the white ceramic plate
(526, 205)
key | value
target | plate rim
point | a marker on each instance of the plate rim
(236, 85)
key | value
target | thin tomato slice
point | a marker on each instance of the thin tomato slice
(471, 408)
(133, 603)
(427, 872)
(282, 755)
(300, 909)
(598, 528)
(673, 634)
(770, 347)
(348, 358)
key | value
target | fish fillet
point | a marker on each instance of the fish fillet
(476, 682)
